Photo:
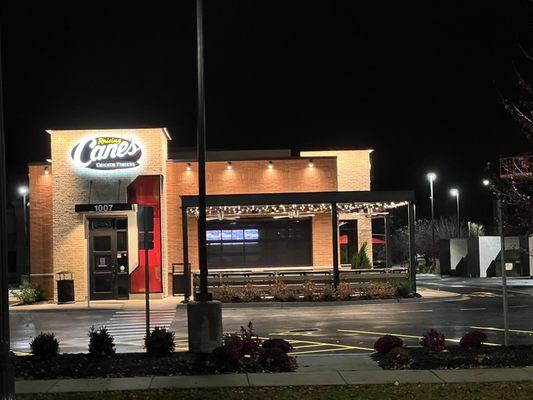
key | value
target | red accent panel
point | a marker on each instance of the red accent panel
(343, 239)
(146, 191)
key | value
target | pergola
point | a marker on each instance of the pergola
(292, 204)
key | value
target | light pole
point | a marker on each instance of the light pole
(7, 382)
(505, 301)
(431, 178)
(23, 191)
(455, 192)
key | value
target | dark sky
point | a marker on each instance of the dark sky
(416, 81)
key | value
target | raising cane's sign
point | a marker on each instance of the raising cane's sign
(106, 153)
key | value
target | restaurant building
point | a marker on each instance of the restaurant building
(266, 210)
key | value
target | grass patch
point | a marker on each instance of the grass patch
(471, 391)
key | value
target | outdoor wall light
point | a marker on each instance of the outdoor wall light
(270, 165)
(311, 164)
(229, 166)
(188, 168)
(46, 170)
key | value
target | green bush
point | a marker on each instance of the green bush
(159, 342)
(45, 346)
(29, 294)
(360, 259)
(402, 287)
(101, 343)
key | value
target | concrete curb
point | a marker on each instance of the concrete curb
(318, 378)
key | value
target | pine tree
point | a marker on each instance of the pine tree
(360, 259)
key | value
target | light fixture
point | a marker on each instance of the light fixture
(23, 190)
(229, 166)
(454, 192)
(486, 182)
(431, 176)
(188, 168)
(46, 170)
(270, 165)
(311, 164)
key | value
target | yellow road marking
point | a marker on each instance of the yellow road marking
(404, 336)
(326, 350)
(308, 345)
(490, 328)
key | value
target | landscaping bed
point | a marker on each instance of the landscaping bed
(456, 357)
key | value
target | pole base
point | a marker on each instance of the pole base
(204, 325)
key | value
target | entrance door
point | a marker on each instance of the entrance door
(108, 260)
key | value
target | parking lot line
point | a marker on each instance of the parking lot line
(491, 328)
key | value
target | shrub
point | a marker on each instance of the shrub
(225, 358)
(251, 293)
(328, 294)
(378, 290)
(344, 291)
(245, 342)
(276, 360)
(101, 343)
(279, 290)
(433, 340)
(292, 296)
(159, 342)
(29, 294)
(309, 290)
(402, 287)
(229, 294)
(45, 346)
(360, 259)
(399, 355)
(473, 339)
(386, 343)
(281, 344)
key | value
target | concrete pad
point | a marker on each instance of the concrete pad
(344, 362)
(296, 379)
(229, 380)
(37, 386)
(140, 383)
(79, 385)
(389, 376)
(482, 375)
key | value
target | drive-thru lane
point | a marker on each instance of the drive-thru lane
(312, 329)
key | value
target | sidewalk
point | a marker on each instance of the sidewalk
(176, 302)
(314, 371)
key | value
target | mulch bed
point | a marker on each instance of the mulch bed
(458, 358)
(120, 365)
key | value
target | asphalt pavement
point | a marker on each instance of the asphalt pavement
(318, 329)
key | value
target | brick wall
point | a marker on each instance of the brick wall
(72, 186)
(40, 226)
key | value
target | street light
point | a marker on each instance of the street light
(431, 178)
(23, 191)
(455, 192)
(485, 182)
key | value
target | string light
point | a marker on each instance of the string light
(229, 166)
(298, 209)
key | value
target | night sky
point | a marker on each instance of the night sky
(416, 81)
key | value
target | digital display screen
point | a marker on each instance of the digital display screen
(251, 234)
(226, 235)
(212, 235)
(237, 234)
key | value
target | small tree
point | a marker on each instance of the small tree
(360, 259)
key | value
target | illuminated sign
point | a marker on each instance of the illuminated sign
(106, 153)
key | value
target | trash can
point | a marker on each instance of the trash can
(65, 287)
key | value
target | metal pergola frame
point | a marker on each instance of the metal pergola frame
(331, 198)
